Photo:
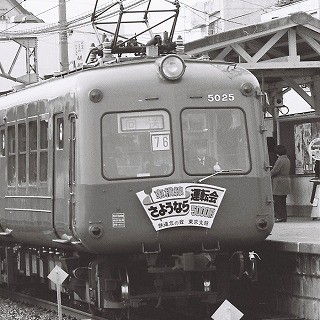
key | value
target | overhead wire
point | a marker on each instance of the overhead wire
(206, 13)
(12, 8)
(48, 28)
(17, 24)
(76, 22)
(255, 4)
(223, 19)
(83, 20)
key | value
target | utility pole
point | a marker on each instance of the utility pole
(63, 36)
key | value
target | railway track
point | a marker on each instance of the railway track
(72, 313)
(148, 314)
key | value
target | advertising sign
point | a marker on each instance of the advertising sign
(79, 53)
(314, 149)
(182, 205)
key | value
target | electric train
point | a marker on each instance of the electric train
(100, 176)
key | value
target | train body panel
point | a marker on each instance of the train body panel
(62, 202)
(190, 92)
(135, 229)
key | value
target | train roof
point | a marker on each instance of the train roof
(110, 62)
(64, 83)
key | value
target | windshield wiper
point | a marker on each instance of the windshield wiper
(219, 172)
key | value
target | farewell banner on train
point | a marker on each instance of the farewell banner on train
(182, 205)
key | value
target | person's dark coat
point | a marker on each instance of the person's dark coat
(280, 176)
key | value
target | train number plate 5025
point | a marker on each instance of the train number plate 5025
(224, 97)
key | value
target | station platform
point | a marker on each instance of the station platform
(290, 259)
(298, 234)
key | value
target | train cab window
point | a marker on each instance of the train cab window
(22, 160)
(11, 156)
(2, 143)
(136, 145)
(33, 152)
(215, 137)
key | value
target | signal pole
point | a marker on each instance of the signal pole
(63, 36)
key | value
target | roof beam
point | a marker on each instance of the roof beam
(300, 91)
(273, 64)
(275, 38)
(256, 45)
(223, 53)
(251, 32)
(244, 54)
(315, 89)
(311, 41)
(292, 44)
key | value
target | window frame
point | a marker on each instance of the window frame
(204, 108)
(32, 151)
(43, 149)
(3, 142)
(24, 145)
(59, 132)
(130, 113)
(11, 154)
(22, 153)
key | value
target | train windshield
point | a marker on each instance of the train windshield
(214, 140)
(136, 144)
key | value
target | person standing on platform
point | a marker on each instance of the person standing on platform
(315, 213)
(317, 177)
(280, 183)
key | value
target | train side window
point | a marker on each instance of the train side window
(11, 156)
(22, 160)
(2, 143)
(43, 150)
(33, 152)
(60, 133)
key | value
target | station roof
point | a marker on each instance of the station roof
(18, 13)
(282, 52)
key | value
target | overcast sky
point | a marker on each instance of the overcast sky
(47, 10)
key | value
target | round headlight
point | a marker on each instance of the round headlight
(95, 231)
(95, 95)
(172, 67)
(262, 223)
(247, 89)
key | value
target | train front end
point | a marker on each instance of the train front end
(171, 177)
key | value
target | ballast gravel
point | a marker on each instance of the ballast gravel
(12, 310)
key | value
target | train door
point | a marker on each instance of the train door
(72, 167)
(61, 177)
